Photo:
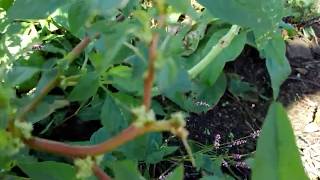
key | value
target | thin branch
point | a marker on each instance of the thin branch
(91, 150)
(34, 103)
(76, 51)
(100, 174)
(148, 82)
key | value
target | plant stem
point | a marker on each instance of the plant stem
(82, 151)
(100, 174)
(215, 51)
(70, 57)
(34, 103)
(148, 81)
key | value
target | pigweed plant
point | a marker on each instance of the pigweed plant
(114, 61)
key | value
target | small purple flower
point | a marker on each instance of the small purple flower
(242, 164)
(239, 142)
(255, 134)
(217, 141)
(237, 156)
(225, 163)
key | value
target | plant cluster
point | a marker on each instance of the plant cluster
(138, 67)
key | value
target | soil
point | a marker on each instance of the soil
(234, 118)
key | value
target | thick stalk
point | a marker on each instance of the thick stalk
(214, 52)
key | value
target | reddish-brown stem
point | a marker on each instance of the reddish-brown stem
(34, 103)
(148, 82)
(99, 173)
(76, 51)
(82, 151)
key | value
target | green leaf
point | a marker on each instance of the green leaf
(99, 136)
(20, 74)
(248, 13)
(214, 69)
(204, 162)
(180, 5)
(277, 156)
(87, 87)
(158, 156)
(45, 108)
(82, 12)
(141, 147)
(277, 63)
(47, 76)
(48, 170)
(5, 4)
(176, 174)
(91, 112)
(210, 94)
(125, 170)
(111, 116)
(121, 78)
(242, 89)
(36, 9)
(78, 15)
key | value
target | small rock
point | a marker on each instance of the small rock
(299, 49)
(311, 127)
(302, 71)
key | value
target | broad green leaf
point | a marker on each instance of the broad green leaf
(242, 89)
(125, 170)
(99, 136)
(91, 112)
(204, 162)
(122, 78)
(257, 14)
(177, 174)
(82, 12)
(178, 80)
(45, 108)
(86, 88)
(277, 63)
(78, 15)
(210, 95)
(277, 156)
(180, 5)
(20, 74)
(158, 156)
(5, 4)
(47, 77)
(36, 9)
(6, 94)
(142, 146)
(48, 170)
(111, 116)
(214, 69)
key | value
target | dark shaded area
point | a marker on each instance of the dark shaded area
(239, 117)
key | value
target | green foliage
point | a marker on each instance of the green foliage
(277, 155)
(177, 174)
(48, 169)
(126, 170)
(38, 9)
(104, 83)
(86, 87)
